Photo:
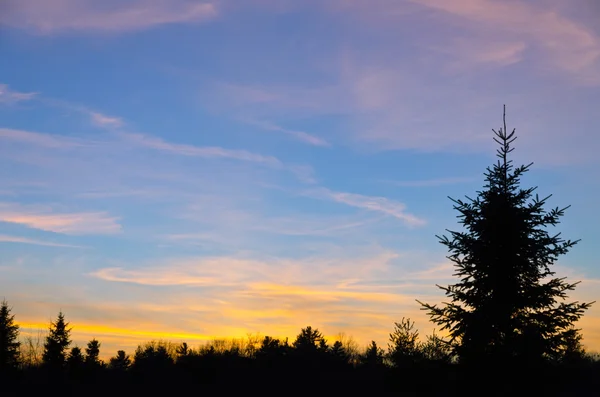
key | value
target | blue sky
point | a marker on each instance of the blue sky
(191, 169)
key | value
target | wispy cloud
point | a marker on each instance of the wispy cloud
(113, 16)
(197, 151)
(370, 203)
(304, 173)
(44, 218)
(155, 277)
(8, 96)
(39, 139)
(297, 135)
(569, 45)
(104, 120)
(24, 240)
(432, 182)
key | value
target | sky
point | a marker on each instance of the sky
(186, 170)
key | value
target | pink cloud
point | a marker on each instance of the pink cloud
(371, 203)
(24, 240)
(38, 139)
(570, 45)
(8, 96)
(297, 135)
(44, 218)
(199, 151)
(52, 16)
(104, 120)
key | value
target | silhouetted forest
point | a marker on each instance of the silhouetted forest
(507, 329)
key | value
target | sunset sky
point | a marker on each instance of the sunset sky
(187, 170)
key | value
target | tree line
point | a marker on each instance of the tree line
(508, 323)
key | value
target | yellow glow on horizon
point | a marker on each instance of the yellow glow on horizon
(94, 329)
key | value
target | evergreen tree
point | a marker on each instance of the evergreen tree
(57, 341)
(435, 349)
(403, 349)
(92, 354)
(271, 350)
(75, 360)
(9, 333)
(507, 303)
(309, 340)
(182, 350)
(121, 362)
(338, 353)
(373, 355)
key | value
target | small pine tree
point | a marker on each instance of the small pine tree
(57, 341)
(92, 354)
(75, 360)
(271, 350)
(182, 350)
(436, 350)
(121, 362)
(507, 305)
(309, 340)
(403, 349)
(338, 352)
(373, 356)
(9, 333)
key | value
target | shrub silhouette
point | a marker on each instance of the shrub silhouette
(152, 357)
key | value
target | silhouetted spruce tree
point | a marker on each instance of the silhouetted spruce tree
(9, 333)
(57, 341)
(436, 350)
(508, 303)
(338, 351)
(309, 340)
(373, 356)
(271, 351)
(92, 354)
(121, 362)
(403, 348)
(75, 360)
(338, 354)
(182, 350)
